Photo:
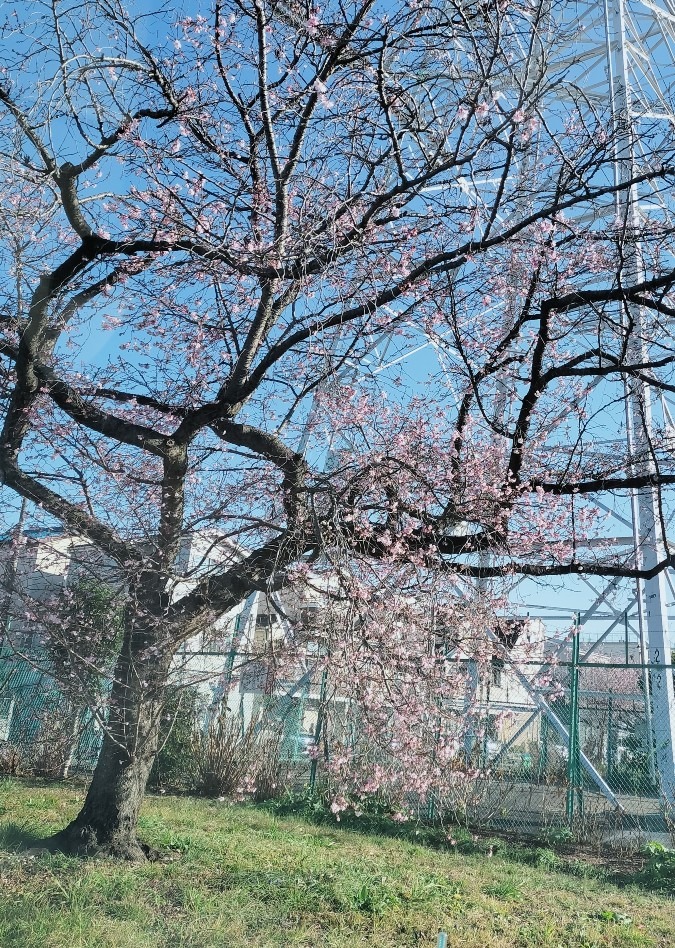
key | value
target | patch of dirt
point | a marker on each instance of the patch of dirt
(614, 860)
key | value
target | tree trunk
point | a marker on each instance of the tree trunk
(108, 820)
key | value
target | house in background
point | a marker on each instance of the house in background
(33, 573)
(235, 664)
(48, 562)
(495, 696)
(497, 701)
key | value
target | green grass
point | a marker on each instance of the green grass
(244, 876)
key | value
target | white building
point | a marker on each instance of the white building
(235, 663)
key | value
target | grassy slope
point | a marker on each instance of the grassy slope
(244, 877)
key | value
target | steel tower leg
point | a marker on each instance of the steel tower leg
(652, 600)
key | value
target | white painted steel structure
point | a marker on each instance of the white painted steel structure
(624, 60)
(617, 58)
(620, 54)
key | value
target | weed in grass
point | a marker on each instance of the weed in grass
(507, 891)
(544, 858)
(372, 897)
(557, 836)
(181, 842)
(425, 888)
(71, 896)
(659, 872)
(619, 918)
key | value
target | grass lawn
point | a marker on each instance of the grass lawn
(243, 876)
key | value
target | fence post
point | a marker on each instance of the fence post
(610, 740)
(573, 761)
(431, 802)
(318, 729)
(542, 765)
(625, 632)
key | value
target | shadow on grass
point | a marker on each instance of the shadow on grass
(14, 837)
(446, 837)
(527, 850)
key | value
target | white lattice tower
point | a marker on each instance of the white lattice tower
(621, 55)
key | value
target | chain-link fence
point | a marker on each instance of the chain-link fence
(580, 760)
(42, 731)
(570, 747)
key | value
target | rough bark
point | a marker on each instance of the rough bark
(108, 821)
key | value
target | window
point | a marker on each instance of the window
(309, 617)
(492, 728)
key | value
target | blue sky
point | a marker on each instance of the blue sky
(559, 598)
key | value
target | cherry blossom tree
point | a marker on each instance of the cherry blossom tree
(211, 222)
